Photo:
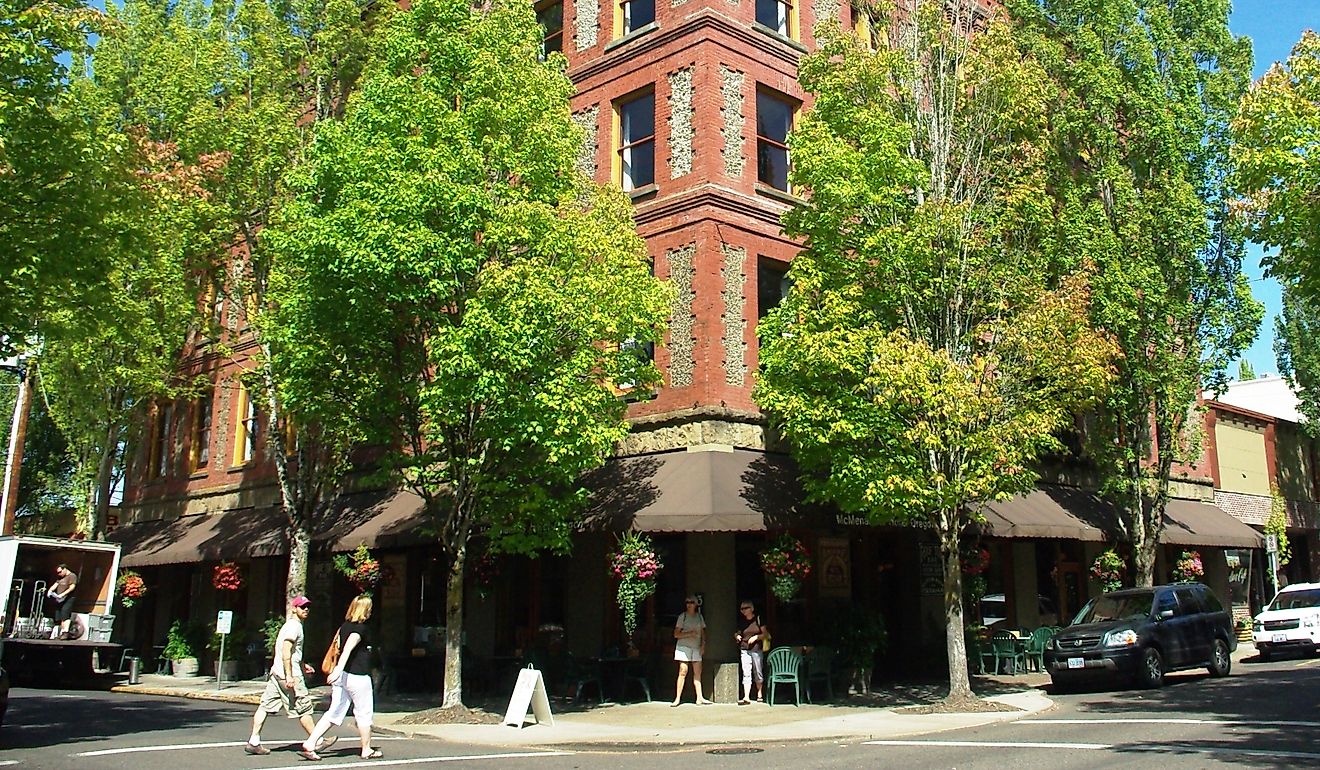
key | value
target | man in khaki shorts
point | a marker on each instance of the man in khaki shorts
(285, 687)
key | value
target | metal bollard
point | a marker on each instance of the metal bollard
(134, 670)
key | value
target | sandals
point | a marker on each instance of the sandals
(309, 755)
(375, 754)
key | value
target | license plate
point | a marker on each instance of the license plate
(1077, 663)
(1280, 637)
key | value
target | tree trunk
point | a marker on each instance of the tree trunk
(960, 686)
(104, 473)
(454, 628)
(300, 541)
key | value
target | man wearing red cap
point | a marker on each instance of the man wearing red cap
(285, 687)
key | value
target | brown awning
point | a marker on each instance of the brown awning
(696, 491)
(1189, 522)
(379, 519)
(243, 534)
(1050, 512)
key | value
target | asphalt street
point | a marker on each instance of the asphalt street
(1264, 715)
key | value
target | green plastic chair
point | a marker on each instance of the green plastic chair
(978, 652)
(1036, 647)
(1006, 650)
(820, 670)
(785, 665)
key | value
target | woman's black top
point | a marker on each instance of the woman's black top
(360, 661)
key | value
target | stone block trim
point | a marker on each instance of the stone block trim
(826, 10)
(589, 121)
(733, 318)
(681, 133)
(731, 111)
(586, 24)
(682, 341)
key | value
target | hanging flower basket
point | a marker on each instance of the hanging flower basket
(786, 563)
(1108, 569)
(361, 568)
(131, 587)
(1189, 568)
(484, 571)
(635, 564)
(226, 577)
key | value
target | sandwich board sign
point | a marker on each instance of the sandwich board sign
(529, 692)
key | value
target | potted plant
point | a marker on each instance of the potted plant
(1108, 569)
(859, 635)
(635, 564)
(235, 644)
(361, 568)
(1189, 568)
(786, 563)
(181, 650)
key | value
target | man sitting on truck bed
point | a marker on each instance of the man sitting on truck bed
(61, 595)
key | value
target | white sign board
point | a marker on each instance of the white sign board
(529, 692)
(1271, 543)
(224, 622)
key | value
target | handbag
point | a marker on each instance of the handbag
(765, 637)
(331, 658)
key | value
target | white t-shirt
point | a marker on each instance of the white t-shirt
(694, 623)
(291, 630)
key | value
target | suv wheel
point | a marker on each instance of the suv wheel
(1220, 662)
(1151, 672)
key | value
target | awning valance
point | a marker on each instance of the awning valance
(248, 533)
(720, 490)
(378, 519)
(1189, 522)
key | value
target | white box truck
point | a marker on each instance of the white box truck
(27, 572)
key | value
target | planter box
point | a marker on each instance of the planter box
(185, 666)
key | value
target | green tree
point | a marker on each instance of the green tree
(447, 271)
(927, 353)
(1278, 173)
(1141, 162)
(1297, 350)
(1246, 371)
(243, 84)
(51, 203)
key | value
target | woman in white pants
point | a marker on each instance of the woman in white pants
(351, 678)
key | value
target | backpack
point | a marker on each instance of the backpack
(331, 658)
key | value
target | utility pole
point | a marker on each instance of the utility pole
(17, 435)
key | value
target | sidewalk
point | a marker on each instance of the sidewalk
(657, 724)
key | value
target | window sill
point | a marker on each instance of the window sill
(779, 195)
(645, 191)
(645, 29)
(788, 41)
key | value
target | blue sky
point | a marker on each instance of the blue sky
(1274, 27)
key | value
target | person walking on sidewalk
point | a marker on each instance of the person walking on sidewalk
(751, 656)
(285, 686)
(690, 631)
(351, 678)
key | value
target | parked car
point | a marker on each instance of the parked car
(1290, 622)
(1143, 633)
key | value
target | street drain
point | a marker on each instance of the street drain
(736, 750)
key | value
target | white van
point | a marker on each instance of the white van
(1290, 622)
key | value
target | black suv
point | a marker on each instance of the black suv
(1142, 633)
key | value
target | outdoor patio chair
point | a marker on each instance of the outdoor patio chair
(1036, 647)
(1007, 650)
(978, 652)
(785, 667)
(820, 670)
(582, 675)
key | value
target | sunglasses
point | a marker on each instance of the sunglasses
(689, 602)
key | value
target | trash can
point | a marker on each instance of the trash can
(134, 669)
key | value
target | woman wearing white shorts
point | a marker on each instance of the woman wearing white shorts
(351, 678)
(690, 633)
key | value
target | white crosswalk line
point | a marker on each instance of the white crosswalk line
(421, 760)
(996, 744)
(190, 746)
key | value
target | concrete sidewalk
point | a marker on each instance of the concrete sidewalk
(657, 724)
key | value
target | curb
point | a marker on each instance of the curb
(251, 700)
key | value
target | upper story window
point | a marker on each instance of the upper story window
(201, 432)
(551, 17)
(633, 15)
(159, 454)
(776, 15)
(245, 428)
(774, 119)
(772, 286)
(635, 118)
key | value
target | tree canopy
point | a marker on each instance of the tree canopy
(926, 354)
(1139, 168)
(446, 275)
